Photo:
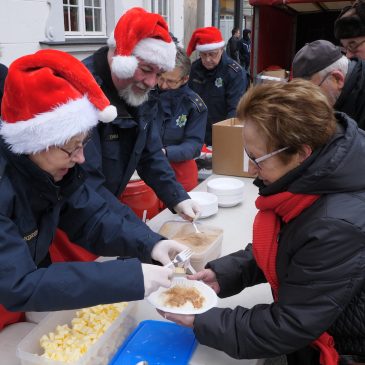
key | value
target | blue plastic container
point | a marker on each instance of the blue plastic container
(159, 343)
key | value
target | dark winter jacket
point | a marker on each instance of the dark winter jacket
(352, 98)
(181, 123)
(320, 264)
(32, 205)
(232, 48)
(245, 53)
(221, 89)
(128, 144)
(3, 73)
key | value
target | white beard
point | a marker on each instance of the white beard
(133, 98)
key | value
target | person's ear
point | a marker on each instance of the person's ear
(185, 79)
(339, 78)
(304, 152)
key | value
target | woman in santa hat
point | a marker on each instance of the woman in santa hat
(50, 104)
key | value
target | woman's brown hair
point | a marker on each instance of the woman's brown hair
(289, 114)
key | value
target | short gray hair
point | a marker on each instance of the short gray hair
(341, 64)
(182, 61)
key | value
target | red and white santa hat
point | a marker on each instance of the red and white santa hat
(49, 97)
(205, 40)
(143, 35)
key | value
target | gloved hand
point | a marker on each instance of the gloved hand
(188, 209)
(164, 250)
(155, 276)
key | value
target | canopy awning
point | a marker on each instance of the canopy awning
(304, 5)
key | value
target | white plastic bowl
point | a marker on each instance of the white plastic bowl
(226, 201)
(208, 202)
(225, 186)
(229, 191)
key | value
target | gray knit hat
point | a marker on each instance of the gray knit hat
(314, 57)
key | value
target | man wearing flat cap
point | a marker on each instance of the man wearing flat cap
(342, 80)
(350, 29)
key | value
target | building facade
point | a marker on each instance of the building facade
(82, 26)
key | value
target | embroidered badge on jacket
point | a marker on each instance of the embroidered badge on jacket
(181, 120)
(218, 82)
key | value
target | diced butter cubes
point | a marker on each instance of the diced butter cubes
(68, 344)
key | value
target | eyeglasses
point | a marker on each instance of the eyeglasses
(257, 161)
(212, 54)
(76, 150)
(169, 82)
(352, 46)
(324, 78)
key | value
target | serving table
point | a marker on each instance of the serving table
(237, 225)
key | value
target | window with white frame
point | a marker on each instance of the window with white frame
(161, 7)
(84, 17)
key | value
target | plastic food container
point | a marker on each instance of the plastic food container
(100, 353)
(158, 343)
(207, 245)
(229, 191)
(208, 202)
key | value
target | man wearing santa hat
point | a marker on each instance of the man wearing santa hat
(51, 103)
(140, 49)
(218, 79)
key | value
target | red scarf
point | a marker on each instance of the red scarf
(266, 228)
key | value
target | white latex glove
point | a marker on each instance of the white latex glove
(188, 209)
(164, 250)
(155, 276)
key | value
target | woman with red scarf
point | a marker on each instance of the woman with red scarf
(308, 236)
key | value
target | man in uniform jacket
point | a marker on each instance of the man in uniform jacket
(341, 79)
(218, 79)
(182, 121)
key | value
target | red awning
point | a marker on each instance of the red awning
(284, 2)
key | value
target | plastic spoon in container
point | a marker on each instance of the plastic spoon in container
(195, 227)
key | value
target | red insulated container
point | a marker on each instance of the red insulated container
(140, 197)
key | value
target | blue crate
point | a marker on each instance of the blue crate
(159, 343)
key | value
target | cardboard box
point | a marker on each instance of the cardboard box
(228, 148)
(269, 76)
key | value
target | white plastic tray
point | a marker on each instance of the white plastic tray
(100, 353)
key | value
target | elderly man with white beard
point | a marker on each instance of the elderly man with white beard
(139, 50)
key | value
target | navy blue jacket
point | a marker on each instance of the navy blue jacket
(182, 121)
(221, 89)
(3, 73)
(32, 205)
(128, 143)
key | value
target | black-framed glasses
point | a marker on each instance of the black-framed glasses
(77, 149)
(169, 83)
(210, 54)
(257, 161)
(324, 78)
(352, 46)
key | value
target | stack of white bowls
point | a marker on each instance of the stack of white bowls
(229, 191)
(208, 202)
